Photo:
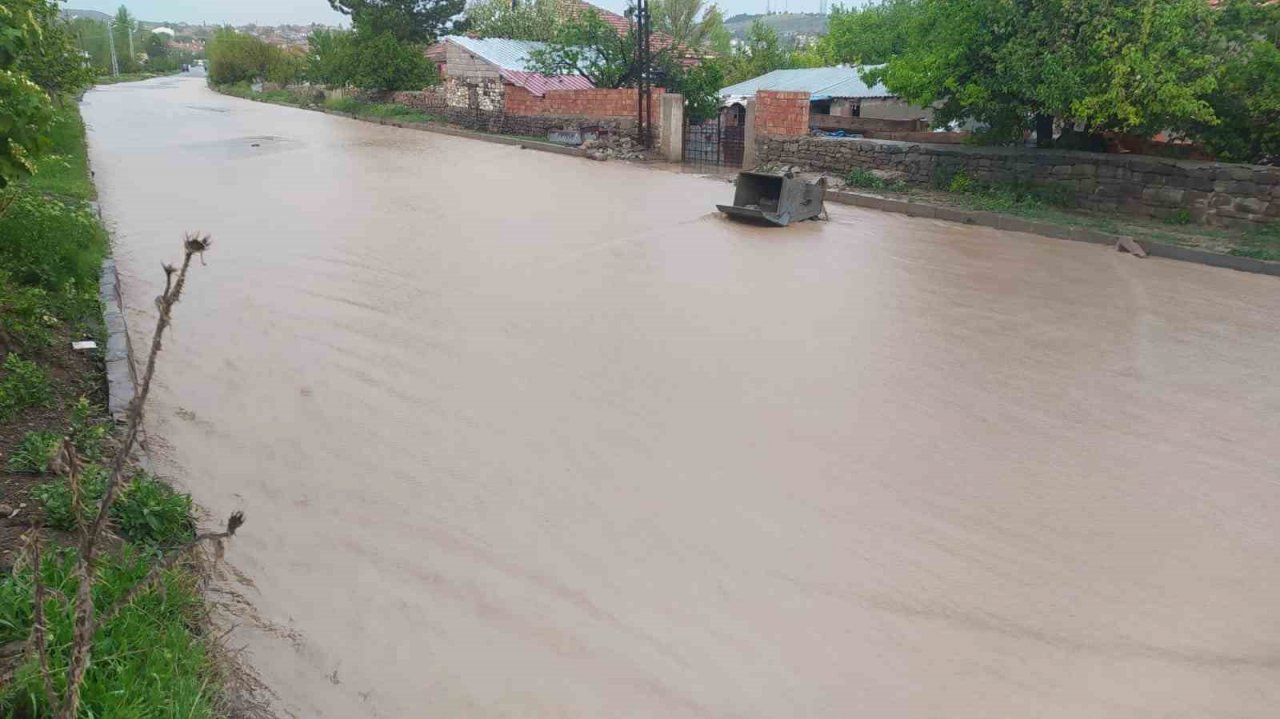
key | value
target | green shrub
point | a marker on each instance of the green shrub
(36, 452)
(1181, 217)
(960, 182)
(860, 177)
(55, 497)
(25, 384)
(52, 244)
(148, 663)
(150, 512)
(146, 511)
(88, 434)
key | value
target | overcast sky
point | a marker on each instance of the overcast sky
(276, 12)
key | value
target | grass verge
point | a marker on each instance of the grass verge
(154, 658)
(1041, 205)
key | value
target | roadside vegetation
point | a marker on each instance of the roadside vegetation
(956, 189)
(101, 613)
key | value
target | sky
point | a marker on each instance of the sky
(278, 12)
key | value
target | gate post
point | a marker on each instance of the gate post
(671, 127)
(749, 157)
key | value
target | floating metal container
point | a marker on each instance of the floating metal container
(776, 199)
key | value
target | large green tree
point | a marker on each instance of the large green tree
(692, 24)
(412, 21)
(761, 52)
(584, 44)
(1247, 100)
(1127, 65)
(528, 20)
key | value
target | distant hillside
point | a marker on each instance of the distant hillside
(91, 14)
(786, 24)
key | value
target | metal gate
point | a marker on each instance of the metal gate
(713, 144)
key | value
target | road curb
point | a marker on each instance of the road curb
(1045, 229)
(122, 376)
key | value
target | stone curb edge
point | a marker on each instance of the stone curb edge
(1045, 229)
(122, 378)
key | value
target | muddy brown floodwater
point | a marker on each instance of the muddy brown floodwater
(522, 435)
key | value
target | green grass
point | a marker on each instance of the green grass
(150, 662)
(23, 384)
(860, 177)
(64, 170)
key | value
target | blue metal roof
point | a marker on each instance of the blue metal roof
(819, 82)
(506, 54)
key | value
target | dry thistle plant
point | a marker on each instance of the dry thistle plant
(90, 534)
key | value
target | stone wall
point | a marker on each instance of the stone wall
(782, 114)
(430, 100)
(1211, 193)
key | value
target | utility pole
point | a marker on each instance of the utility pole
(132, 55)
(645, 61)
(111, 39)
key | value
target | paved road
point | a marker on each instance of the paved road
(525, 435)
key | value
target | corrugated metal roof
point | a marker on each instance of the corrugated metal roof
(538, 84)
(817, 81)
(506, 54)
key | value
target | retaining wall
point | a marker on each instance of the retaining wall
(1209, 192)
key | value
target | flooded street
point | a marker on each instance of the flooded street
(523, 435)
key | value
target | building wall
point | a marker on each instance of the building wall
(1212, 193)
(597, 102)
(460, 63)
(893, 109)
(782, 114)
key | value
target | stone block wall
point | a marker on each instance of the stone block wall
(782, 114)
(1209, 192)
(430, 100)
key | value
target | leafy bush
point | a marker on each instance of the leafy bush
(51, 244)
(238, 57)
(147, 662)
(381, 62)
(36, 452)
(151, 512)
(960, 182)
(147, 512)
(25, 384)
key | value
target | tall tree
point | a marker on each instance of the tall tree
(528, 20)
(1247, 100)
(760, 53)
(1131, 65)
(415, 21)
(690, 23)
(125, 26)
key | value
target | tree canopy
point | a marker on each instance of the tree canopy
(529, 20)
(414, 21)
